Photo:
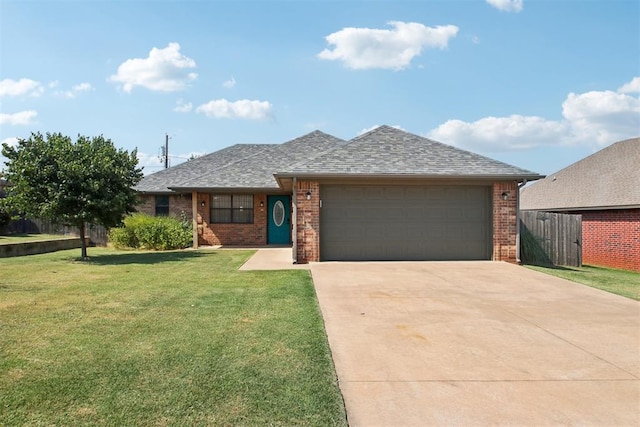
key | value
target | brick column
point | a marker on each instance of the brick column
(505, 219)
(308, 222)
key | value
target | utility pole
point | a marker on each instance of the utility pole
(166, 150)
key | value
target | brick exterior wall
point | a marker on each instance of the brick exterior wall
(611, 238)
(232, 234)
(308, 222)
(178, 204)
(505, 221)
(215, 234)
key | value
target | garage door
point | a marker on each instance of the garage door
(359, 222)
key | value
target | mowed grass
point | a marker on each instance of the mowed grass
(620, 282)
(159, 339)
(20, 238)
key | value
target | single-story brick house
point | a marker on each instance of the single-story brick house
(605, 189)
(384, 195)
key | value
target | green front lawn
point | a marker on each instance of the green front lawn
(621, 282)
(158, 339)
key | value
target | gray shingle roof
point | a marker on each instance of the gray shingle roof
(390, 151)
(382, 151)
(609, 178)
(257, 171)
(159, 182)
(246, 166)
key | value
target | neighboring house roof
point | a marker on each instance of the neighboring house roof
(388, 151)
(608, 179)
(384, 151)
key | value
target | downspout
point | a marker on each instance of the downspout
(294, 225)
(522, 184)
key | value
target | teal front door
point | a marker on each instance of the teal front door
(279, 220)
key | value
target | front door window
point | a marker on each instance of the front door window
(278, 213)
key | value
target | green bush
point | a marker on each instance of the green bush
(147, 232)
(123, 237)
(5, 219)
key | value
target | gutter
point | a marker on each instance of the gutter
(281, 176)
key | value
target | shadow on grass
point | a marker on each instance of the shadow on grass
(144, 257)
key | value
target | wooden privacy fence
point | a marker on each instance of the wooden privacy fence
(550, 238)
(97, 234)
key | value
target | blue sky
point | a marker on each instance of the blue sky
(537, 84)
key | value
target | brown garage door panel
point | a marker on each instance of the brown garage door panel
(405, 222)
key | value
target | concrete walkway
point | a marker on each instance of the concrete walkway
(273, 258)
(478, 343)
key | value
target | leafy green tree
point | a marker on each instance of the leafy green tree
(71, 183)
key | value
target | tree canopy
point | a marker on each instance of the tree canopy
(71, 183)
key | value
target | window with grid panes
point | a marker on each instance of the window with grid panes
(232, 208)
(162, 205)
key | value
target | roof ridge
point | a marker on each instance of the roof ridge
(601, 152)
(396, 130)
(339, 143)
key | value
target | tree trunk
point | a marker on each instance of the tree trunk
(83, 242)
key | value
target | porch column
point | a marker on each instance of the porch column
(294, 225)
(194, 220)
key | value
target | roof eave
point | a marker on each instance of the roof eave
(583, 208)
(151, 192)
(226, 189)
(486, 177)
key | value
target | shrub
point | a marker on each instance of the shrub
(123, 237)
(5, 219)
(148, 232)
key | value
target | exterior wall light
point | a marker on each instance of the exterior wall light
(505, 195)
(308, 195)
(261, 204)
(202, 203)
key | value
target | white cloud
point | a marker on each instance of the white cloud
(164, 70)
(183, 107)
(75, 90)
(229, 83)
(150, 162)
(242, 109)
(11, 142)
(632, 87)
(596, 117)
(9, 87)
(21, 118)
(603, 116)
(363, 48)
(513, 132)
(507, 5)
(369, 129)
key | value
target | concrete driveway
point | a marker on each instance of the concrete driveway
(478, 343)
